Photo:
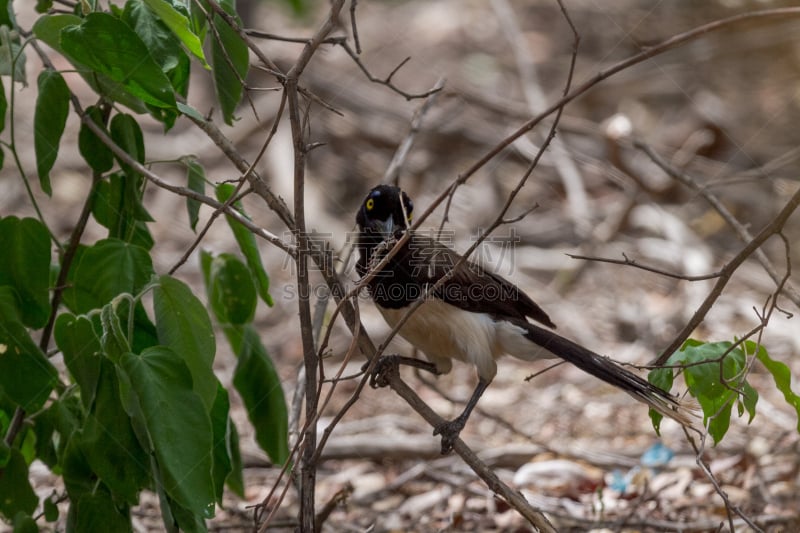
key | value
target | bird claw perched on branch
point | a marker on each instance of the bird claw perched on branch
(449, 430)
(384, 366)
(390, 364)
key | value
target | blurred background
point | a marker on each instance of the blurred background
(722, 109)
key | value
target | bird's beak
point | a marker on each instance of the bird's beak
(384, 227)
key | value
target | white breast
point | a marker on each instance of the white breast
(459, 334)
(473, 338)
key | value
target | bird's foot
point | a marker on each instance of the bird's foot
(449, 431)
(384, 367)
(390, 364)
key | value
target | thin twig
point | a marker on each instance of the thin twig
(740, 230)
(387, 81)
(354, 26)
(773, 228)
(184, 191)
(308, 467)
(660, 48)
(233, 197)
(392, 174)
(632, 262)
(577, 201)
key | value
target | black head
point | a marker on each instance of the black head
(382, 212)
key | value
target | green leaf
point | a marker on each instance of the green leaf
(7, 14)
(53, 428)
(126, 133)
(5, 449)
(109, 46)
(43, 435)
(247, 244)
(78, 476)
(97, 511)
(198, 19)
(178, 425)
(189, 111)
(23, 523)
(16, 494)
(714, 383)
(179, 519)
(49, 119)
(25, 266)
(206, 259)
(196, 178)
(780, 374)
(164, 48)
(94, 151)
(43, 6)
(235, 479)
(179, 25)
(227, 458)
(661, 378)
(114, 340)
(259, 386)
(26, 376)
(183, 325)
(12, 57)
(82, 352)
(232, 292)
(47, 28)
(109, 268)
(117, 205)
(747, 401)
(3, 109)
(50, 509)
(110, 444)
(231, 61)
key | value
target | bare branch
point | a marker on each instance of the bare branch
(632, 262)
(715, 202)
(773, 228)
(308, 467)
(354, 26)
(664, 46)
(392, 174)
(388, 80)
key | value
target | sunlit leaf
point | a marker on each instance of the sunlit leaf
(178, 23)
(107, 45)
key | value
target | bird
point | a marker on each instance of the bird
(467, 313)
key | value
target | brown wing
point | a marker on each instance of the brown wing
(469, 286)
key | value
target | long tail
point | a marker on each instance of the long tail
(612, 373)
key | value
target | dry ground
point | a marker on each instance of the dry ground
(723, 109)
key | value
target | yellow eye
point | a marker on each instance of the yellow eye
(370, 204)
